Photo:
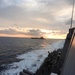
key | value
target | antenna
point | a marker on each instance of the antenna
(72, 15)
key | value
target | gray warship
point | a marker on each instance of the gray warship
(60, 62)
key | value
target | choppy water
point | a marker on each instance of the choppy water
(11, 47)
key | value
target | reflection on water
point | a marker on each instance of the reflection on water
(11, 47)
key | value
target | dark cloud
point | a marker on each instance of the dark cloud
(36, 33)
(8, 31)
(31, 32)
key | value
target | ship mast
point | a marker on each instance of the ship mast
(72, 15)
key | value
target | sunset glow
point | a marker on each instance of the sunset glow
(35, 18)
(30, 32)
(56, 36)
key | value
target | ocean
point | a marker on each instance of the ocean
(10, 48)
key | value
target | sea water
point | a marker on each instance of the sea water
(30, 50)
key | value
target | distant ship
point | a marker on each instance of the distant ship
(37, 38)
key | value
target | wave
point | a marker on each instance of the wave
(32, 60)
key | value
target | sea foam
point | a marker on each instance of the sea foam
(32, 60)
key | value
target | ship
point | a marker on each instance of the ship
(37, 38)
(60, 61)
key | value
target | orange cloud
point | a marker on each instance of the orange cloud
(28, 33)
(15, 35)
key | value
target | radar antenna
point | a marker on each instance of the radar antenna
(72, 15)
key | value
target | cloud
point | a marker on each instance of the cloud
(68, 22)
(21, 3)
(3, 3)
(23, 32)
(40, 19)
(36, 33)
(70, 2)
(8, 31)
(29, 32)
(40, 14)
(56, 2)
(12, 12)
(35, 3)
(59, 32)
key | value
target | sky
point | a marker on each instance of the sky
(35, 18)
